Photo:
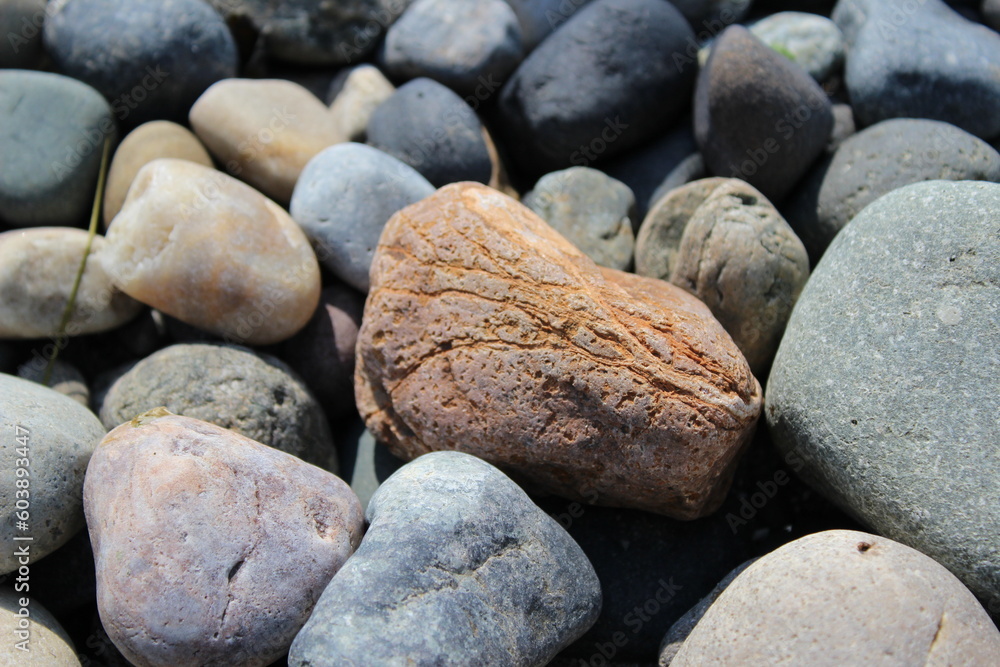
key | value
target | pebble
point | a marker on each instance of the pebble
(458, 567)
(59, 435)
(723, 241)
(264, 132)
(45, 642)
(811, 41)
(21, 23)
(65, 123)
(898, 438)
(920, 60)
(38, 267)
(487, 332)
(628, 55)
(66, 378)
(592, 210)
(878, 160)
(200, 557)
(758, 116)
(255, 395)
(433, 130)
(149, 141)
(256, 282)
(810, 603)
(343, 199)
(463, 44)
(150, 58)
(363, 89)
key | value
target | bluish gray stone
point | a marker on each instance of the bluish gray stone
(150, 58)
(458, 567)
(343, 199)
(463, 44)
(910, 59)
(539, 18)
(51, 138)
(433, 130)
(811, 41)
(885, 383)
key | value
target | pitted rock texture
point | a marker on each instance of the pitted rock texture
(485, 331)
(210, 548)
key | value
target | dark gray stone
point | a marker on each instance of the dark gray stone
(878, 160)
(150, 58)
(433, 130)
(463, 44)
(812, 42)
(609, 79)
(343, 199)
(539, 18)
(255, 395)
(991, 13)
(458, 567)
(51, 139)
(21, 23)
(885, 381)
(911, 59)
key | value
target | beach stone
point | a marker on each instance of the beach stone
(430, 128)
(920, 60)
(809, 602)
(878, 160)
(149, 141)
(60, 434)
(45, 641)
(909, 287)
(21, 23)
(65, 123)
(459, 43)
(264, 131)
(486, 331)
(38, 267)
(151, 59)
(721, 240)
(362, 91)
(210, 547)
(811, 41)
(628, 55)
(458, 567)
(254, 395)
(592, 210)
(538, 18)
(758, 116)
(214, 253)
(66, 378)
(343, 199)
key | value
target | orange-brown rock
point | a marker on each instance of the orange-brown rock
(485, 331)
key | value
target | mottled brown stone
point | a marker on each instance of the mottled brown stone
(487, 332)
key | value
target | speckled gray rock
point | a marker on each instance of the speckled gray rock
(343, 199)
(458, 567)
(811, 603)
(811, 41)
(150, 58)
(64, 122)
(210, 548)
(65, 378)
(433, 130)
(253, 395)
(920, 60)
(45, 642)
(362, 90)
(592, 210)
(885, 381)
(57, 436)
(878, 160)
(721, 240)
(460, 43)
(21, 23)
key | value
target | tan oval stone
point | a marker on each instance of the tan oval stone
(149, 141)
(364, 89)
(264, 131)
(210, 548)
(37, 269)
(214, 253)
(487, 332)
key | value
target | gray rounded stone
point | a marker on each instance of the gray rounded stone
(591, 209)
(343, 199)
(885, 381)
(46, 643)
(51, 139)
(458, 567)
(811, 41)
(255, 395)
(538, 18)
(56, 435)
(878, 160)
